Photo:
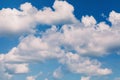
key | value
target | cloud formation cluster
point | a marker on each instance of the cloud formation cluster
(13, 21)
(71, 45)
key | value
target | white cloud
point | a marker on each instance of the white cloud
(35, 49)
(98, 40)
(29, 45)
(3, 74)
(57, 74)
(102, 26)
(114, 18)
(85, 78)
(72, 45)
(88, 21)
(13, 21)
(82, 65)
(17, 68)
(63, 14)
(30, 78)
(72, 38)
(7, 70)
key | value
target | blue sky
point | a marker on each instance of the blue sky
(59, 40)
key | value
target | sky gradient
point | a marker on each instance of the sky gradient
(59, 40)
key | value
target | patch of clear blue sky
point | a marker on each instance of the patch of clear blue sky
(82, 7)
(6, 43)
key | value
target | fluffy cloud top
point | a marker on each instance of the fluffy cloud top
(88, 21)
(114, 18)
(63, 14)
(13, 21)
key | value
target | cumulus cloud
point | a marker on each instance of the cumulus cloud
(7, 70)
(103, 26)
(97, 40)
(81, 65)
(30, 78)
(63, 14)
(13, 21)
(3, 74)
(72, 48)
(114, 17)
(33, 49)
(57, 74)
(85, 78)
(17, 68)
(88, 21)
(71, 45)
(36, 49)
